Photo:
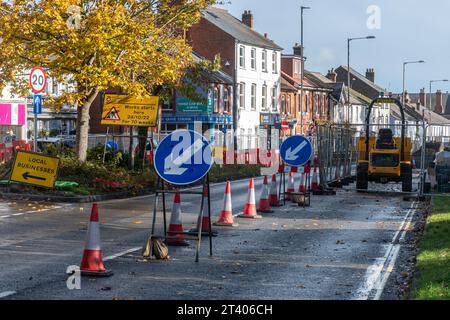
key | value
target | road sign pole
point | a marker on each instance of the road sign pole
(35, 132)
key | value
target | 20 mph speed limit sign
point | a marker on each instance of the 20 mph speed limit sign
(38, 80)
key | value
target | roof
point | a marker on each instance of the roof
(217, 76)
(225, 21)
(418, 112)
(286, 85)
(362, 78)
(340, 91)
(415, 97)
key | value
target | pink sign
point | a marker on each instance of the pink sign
(12, 114)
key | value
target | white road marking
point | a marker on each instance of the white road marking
(120, 254)
(29, 212)
(7, 294)
(378, 274)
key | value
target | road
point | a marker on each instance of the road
(342, 247)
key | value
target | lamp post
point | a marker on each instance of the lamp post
(349, 40)
(404, 78)
(431, 82)
(302, 8)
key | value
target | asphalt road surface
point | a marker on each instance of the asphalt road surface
(342, 247)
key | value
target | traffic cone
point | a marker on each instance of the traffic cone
(92, 262)
(291, 186)
(205, 218)
(302, 188)
(226, 217)
(250, 206)
(273, 197)
(264, 203)
(314, 182)
(176, 226)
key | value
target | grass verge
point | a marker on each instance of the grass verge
(433, 281)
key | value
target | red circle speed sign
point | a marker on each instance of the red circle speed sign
(38, 80)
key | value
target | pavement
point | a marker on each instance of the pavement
(342, 247)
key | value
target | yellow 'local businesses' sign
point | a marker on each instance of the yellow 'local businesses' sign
(128, 111)
(35, 169)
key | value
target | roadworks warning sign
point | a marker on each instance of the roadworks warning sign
(124, 110)
(35, 169)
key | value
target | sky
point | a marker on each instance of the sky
(405, 30)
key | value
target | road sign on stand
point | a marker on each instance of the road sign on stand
(38, 80)
(183, 157)
(296, 151)
(123, 110)
(35, 169)
(37, 104)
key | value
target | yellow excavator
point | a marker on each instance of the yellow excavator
(384, 158)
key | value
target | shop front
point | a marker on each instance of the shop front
(13, 120)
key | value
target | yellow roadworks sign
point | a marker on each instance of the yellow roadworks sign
(124, 110)
(35, 169)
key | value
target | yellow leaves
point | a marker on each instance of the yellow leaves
(124, 44)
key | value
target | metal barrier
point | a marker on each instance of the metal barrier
(336, 146)
(434, 161)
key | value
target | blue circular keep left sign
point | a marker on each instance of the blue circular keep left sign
(183, 157)
(296, 151)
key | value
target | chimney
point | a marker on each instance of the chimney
(370, 75)
(298, 50)
(423, 97)
(332, 75)
(407, 98)
(439, 108)
(247, 18)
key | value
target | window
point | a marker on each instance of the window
(323, 105)
(168, 106)
(216, 100)
(55, 87)
(242, 95)
(283, 104)
(274, 62)
(306, 103)
(317, 104)
(253, 59)
(288, 105)
(264, 60)
(242, 57)
(274, 99)
(226, 100)
(253, 97)
(264, 97)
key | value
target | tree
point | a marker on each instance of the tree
(136, 45)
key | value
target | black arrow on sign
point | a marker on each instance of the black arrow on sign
(28, 175)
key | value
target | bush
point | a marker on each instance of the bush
(112, 157)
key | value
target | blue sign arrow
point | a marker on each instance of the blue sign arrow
(183, 157)
(296, 151)
(37, 104)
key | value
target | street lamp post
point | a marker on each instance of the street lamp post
(302, 68)
(431, 82)
(404, 77)
(348, 71)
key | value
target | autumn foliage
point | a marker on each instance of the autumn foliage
(91, 46)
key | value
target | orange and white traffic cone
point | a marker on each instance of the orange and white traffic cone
(250, 206)
(273, 197)
(92, 262)
(302, 188)
(176, 225)
(226, 218)
(291, 186)
(204, 219)
(264, 203)
(314, 182)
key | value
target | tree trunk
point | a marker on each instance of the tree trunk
(83, 126)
